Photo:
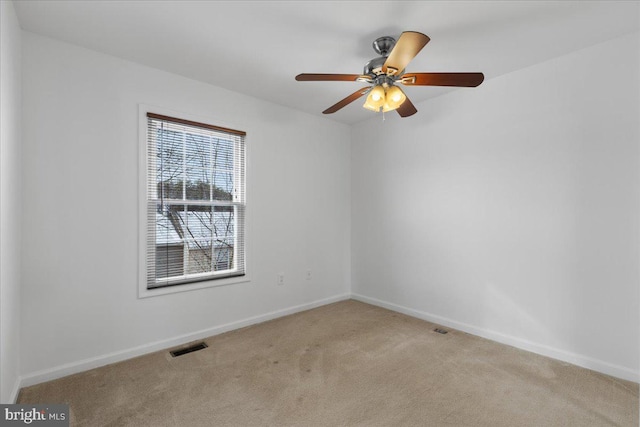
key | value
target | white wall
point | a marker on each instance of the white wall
(10, 201)
(512, 210)
(80, 218)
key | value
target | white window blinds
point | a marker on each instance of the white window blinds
(195, 201)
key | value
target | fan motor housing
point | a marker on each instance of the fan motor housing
(374, 67)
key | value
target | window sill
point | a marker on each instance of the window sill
(143, 292)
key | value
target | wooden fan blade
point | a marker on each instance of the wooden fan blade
(406, 48)
(442, 79)
(406, 109)
(327, 77)
(348, 100)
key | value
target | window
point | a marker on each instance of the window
(195, 202)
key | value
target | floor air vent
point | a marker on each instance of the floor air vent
(190, 349)
(440, 331)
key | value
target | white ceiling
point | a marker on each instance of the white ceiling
(257, 47)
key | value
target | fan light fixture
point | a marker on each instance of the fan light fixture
(384, 99)
(384, 72)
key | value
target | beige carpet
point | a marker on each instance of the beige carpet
(344, 364)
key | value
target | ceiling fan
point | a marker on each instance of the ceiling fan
(385, 72)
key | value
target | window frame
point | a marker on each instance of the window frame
(143, 290)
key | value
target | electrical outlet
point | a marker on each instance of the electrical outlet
(280, 279)
(308, 274)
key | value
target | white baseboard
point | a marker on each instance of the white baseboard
(554, 353)
(118, 356)
(16, 389)
(96, 362)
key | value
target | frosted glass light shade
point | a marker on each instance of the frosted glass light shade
(376, 99)
(395, 97)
